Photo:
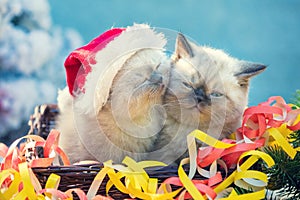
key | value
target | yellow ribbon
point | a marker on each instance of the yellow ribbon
(31, 186)
(242, 176)
(52, 182)
(282, 141)
(205, 138)
(187, 183)
(28, 189)
(254, 156)
(137, 182)
(97, 182)
(131, 178)
(14, 186)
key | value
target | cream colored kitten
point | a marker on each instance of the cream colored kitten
(208, 90)
(129, 121)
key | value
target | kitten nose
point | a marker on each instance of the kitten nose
(155, 77)
(200, 95)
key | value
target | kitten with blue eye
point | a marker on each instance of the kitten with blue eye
(208, 90)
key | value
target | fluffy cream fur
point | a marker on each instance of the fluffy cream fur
(135, 106)
(208, 90)
(120, 113)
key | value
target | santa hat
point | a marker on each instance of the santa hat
(94, 66)
(78, 59)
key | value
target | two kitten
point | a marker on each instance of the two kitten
(155, 102)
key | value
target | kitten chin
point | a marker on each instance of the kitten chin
(130, 120)
(208, 90)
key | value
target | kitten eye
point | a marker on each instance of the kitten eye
(243, 83)
(187, 85)
(216, 94)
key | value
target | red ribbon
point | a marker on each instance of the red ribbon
(257, 119)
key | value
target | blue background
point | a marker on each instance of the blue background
(265, 31)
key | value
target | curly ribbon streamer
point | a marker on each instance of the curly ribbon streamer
(282, 141)
(194, 190)
(24, 185)
(3, 150)
(14, 156)
(137, 182)
(79, 192)
(217, 149)
(13, 186)
(51, 145)
(28, 189)
(97, 182)
(261, 122)
(52, 182)
(17, 178)
(203, 137)
(268, 118)
(254, 156)
(190, 187)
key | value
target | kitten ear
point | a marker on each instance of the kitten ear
(182, 49)
(248, 70)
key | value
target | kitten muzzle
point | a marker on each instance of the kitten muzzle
(154, 84)
(201, 96)
(156, 77)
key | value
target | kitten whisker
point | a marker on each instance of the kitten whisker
(204, 71)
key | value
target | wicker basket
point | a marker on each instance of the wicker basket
(43, 119)
(80, 176)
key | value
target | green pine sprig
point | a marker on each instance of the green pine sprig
(296, 98)
(240, 190)
(284, 176)
(294, 139)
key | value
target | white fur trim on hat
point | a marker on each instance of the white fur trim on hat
(110, 60)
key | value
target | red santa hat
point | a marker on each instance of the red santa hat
(77, 64)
